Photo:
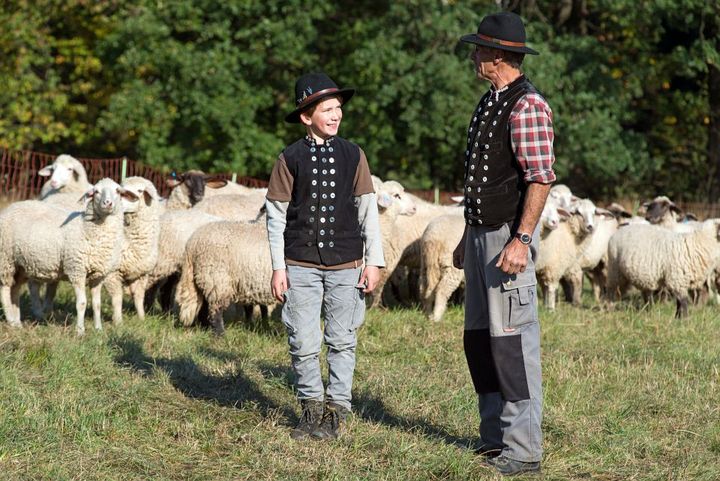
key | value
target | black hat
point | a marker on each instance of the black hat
(310, 89)
(504, 31)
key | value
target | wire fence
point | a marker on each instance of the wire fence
(19, 178)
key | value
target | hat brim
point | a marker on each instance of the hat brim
(473, 38)
(294, 116)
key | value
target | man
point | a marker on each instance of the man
(508, 173)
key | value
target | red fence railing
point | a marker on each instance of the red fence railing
(19, 179)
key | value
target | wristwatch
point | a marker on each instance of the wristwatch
(524, 238)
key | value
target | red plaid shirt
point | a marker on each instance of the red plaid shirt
(531, 134)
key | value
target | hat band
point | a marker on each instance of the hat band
(498, 41)
(309, 99)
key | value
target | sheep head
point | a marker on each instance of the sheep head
(63, 170)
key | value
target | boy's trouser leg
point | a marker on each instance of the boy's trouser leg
(344, 313)
(301, 317)
(507, 308)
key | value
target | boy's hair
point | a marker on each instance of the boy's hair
(311, 110)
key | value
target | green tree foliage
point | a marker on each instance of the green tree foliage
(634, 86)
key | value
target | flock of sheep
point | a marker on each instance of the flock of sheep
(205, 249)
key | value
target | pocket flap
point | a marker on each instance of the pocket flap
(524, 279)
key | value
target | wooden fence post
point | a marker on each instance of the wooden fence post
(437, 195)
(123, 170)
(234, 177)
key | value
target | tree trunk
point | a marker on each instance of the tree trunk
(713, 145)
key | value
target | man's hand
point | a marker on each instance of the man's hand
(513, 258)
(369, 278)
(279, 284)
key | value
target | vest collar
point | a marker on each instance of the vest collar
(310, 141)
(498, 92)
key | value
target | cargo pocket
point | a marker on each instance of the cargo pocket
(358, 314)
(519, 301)
(287, 313)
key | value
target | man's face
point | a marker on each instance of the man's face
(325, 120)
(484, 60)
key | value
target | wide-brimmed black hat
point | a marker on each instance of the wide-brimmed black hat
(504, 31)
(312, 88)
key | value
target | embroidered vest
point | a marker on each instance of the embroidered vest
(494, 185)
(322, 219)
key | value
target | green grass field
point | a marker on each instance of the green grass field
(629, 395)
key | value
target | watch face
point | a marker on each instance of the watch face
(525, 238)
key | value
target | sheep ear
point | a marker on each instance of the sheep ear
(127, 194)
(150, 193)
(676, 209)
(215, 183)
(87, 196)
(563, 212)
(46, 171)
(604, 213)
(458, 199)
(384, 200)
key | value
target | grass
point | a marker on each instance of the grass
(629, 395)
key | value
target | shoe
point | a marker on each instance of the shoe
(510, 467)
(309, 420)
(332, 423)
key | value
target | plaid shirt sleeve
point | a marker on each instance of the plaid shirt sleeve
(531, 134)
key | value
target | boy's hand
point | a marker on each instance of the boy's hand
(279, 284)
(369, 278)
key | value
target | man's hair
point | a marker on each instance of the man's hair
(513, 59)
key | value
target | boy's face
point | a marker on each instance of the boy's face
(325, 120)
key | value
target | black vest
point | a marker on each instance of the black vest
(494, 184)
(322, 219)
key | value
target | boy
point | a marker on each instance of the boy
(322, 221)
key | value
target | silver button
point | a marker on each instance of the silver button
(332, 161)
(489, 104)
(470, 178)
(322, 149)
(322, 231)
(485, 113)
(474, 155)
(479, 188)
(332, 232)
(323, 208)
(312, 208)
(484, 179)
(479, 221)
(487, 146)
(504, 104)
(494, 122)
(332, 208)
(320, 244)
(314, 182)
(332, 219)
(331, 244)
(469, 209)
(324, 183)
(314, 195)
(324, 160)
(472, 167)
(324, 172)
(330, 149)
(314, 158)
(322, 220)
(332, 183)
(332, 195)
(468, 189)
(478, 211)
(324, 196)
(312, 150)
(314, 171)
(490, 134)
(485, 167)
(478, 201)
(312, 219)
(485, 156)
(499, 112)
(332, 171)
(475, 119)
(476, 144)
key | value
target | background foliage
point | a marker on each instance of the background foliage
(634, 86)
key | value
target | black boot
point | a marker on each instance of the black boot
(333, 422)
(309, 420)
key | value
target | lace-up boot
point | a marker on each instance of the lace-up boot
(333, 422)
(309, 420)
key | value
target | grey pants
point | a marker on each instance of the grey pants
(502, 345)
(311, 292)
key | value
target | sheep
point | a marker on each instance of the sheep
(66, 174)
(225, 262)
(561, 195)
(235, 207)
(176, 227)
(190, 188)
(651, 257)
(438, 277)
(559, 251)
(140, 249)
(84, 246)
(409, 230)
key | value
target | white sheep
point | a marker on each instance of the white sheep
(559, 251)
(140, 249)
(651, 257)
(224, 263)
(66, 174)
(561, 195)
(82, 247)
(438, 277)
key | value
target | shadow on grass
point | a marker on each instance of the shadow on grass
(232, 390)
(371, 408)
